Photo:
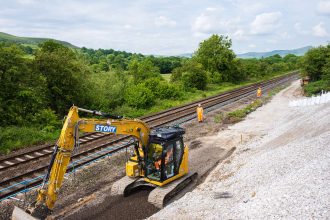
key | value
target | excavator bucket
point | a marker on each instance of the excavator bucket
(20, 214)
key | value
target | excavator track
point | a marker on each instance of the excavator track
(161, 196)
(120, 186)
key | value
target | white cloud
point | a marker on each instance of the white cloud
(323, 7)
(163, 21)
(239, 35)
(27, 2)
(299, 29)
(207, 22)
(285, 35)
(164, 28)
(265, 23)
(212, 21)
(211, 9)
(320, 31)
(7, 22)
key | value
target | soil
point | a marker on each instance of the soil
(86, 193)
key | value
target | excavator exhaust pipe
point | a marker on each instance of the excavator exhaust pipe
(20, 214)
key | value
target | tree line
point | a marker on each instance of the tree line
(109, 59)
(38, 91)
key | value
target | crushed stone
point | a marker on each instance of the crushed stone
(279, 170)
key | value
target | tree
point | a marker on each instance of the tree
(22, 90)
(314, 61)
(193, 75)
(216, 57)
(139, 96)
(142, 70)
(66, 76)
(162, 89)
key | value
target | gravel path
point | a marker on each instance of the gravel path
(280, 169)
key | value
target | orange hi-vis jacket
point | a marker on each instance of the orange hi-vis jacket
(259, 93)
(199, 113)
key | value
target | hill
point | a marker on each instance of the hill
(4, 37)
(298, 52)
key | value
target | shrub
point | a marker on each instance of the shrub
(316, 87)
(139, 96)
(46, 119)
(162, 89)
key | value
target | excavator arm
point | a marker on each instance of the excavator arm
(47, 194)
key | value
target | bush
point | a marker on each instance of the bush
(196, 80)
(193, 75)
(162, 89)
(168, 91)
(46, 119)
(316, 87)
(139, 96)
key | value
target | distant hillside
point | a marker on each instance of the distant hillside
(29, 40)
(297, 52)
(188, 55)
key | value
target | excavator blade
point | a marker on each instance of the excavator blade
(20, 214)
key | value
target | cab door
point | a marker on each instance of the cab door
(171, 158)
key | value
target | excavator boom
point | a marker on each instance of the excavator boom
(69, 137)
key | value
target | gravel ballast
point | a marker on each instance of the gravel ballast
(279, 170)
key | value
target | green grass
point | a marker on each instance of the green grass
(167, 76)
(240, 114)
(13, 138)
(219, 117)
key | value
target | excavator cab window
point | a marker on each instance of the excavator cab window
(164, 159)
(154, 161)
(173, 153)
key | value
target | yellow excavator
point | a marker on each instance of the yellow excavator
(160, 160)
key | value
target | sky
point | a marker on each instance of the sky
(170, 27)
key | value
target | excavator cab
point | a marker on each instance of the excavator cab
(166, 157)
(164, 154)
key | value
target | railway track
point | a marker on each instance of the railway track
(97, 145)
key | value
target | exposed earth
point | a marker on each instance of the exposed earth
(86, 193)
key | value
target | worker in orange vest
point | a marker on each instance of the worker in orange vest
(259, 92)
(199, 113)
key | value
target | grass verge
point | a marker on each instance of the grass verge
(239, 114)
(13, 138)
